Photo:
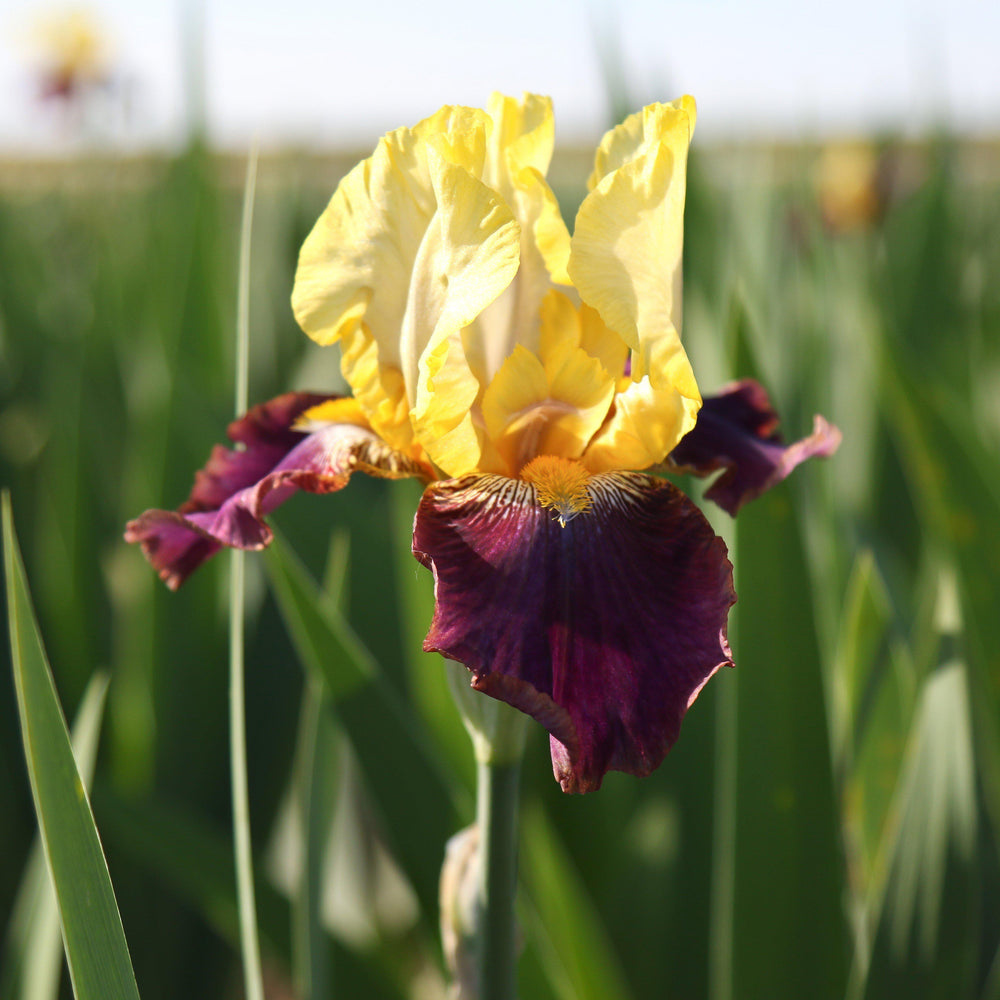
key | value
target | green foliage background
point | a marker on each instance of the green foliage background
(828, 824)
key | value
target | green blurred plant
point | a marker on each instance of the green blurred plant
(829, 823)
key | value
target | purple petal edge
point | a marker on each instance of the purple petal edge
(237, 488)
(737, 432)
(604, 630)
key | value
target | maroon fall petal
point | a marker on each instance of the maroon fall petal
(604, 630)
(236, 488)
(737, 430)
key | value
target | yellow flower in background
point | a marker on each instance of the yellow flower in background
(73, 51)
(850, 186)
(476, 333)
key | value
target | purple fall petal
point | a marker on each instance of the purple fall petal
(604, 630)
(737, 431)
(237, 488)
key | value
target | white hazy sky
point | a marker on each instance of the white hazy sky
(324, 73)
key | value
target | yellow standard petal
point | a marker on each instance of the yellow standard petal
(626, 263)
(518, 153)
(345, 410)
(471, 255)
(621, 144)
(411, 247)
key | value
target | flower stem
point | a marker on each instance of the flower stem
(249, 946)
(498, 787)
(253, 979)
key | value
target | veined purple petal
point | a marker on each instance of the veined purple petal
(737, 431)
(236, 488)
(604, 630)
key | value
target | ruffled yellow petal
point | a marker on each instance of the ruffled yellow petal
(600, 342)
(412, 247)
(345, 410)
(523, 138)
(459, 134)
(621, 144)
(642, 427)
(550, 403)
(626, 247)
(434, 267)
(626, 263)
(446, 426)
(379, 389)
(519, 150)
(470, 255)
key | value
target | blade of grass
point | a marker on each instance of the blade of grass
(96, 951)
(562, 921)
(33, 953)
(249, 944)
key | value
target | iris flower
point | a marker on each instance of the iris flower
(528, 377)
(73, 54)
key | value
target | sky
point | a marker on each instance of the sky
(327, 74)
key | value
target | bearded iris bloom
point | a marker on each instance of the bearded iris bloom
(534, 380)
(73, 55)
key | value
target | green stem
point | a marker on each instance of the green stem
(310, 972)
(253, 980)
(252, 976)
(723, 879)
(497, 818)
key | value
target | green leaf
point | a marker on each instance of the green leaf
(96, 951)
(872, 700)
(863, 631)
(324, 641)
(777, 863)
(957, 480)
(402, 776)
(196, 862)
(926, 945)
(428, 673)
(788, 863)
(33, 954)
(314, 785)
(562, 922)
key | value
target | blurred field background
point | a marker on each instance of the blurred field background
(828, 824)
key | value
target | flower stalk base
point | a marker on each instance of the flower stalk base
(497, 792)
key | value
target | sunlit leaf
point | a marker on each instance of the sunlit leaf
(788, 862)
(924, 947)
(562, 922)
(872, 703)
(33, 955)
(96, 952)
